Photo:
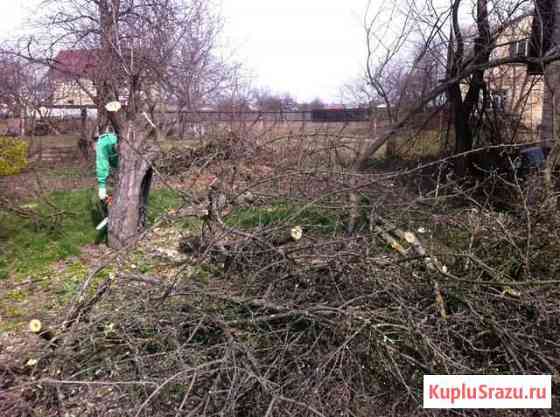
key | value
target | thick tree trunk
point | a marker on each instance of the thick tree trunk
(551, 100)
(107, 70)
(464, 109)
(551, 110)
(549, 128)
(463, 133)
(127, 213)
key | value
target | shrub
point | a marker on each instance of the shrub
(13, 156)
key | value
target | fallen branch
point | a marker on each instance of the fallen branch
(431, 262)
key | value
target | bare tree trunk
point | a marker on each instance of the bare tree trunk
(107, 84)
(463, 133)
(128, 211)
(551, 111)
(463, 109)
(549, 123)
(127, 215)
(549, 127)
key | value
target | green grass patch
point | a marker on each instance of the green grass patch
(139, 263)
(311, 218)
(33, 249)
(69, 281)
(161, 201)
(57, 234)
(3, 267)
(65, 225)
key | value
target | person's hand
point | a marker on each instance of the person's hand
(102, 193)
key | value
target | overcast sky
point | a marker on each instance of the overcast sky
(12, 14)
(308, 48)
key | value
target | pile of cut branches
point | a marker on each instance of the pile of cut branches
(295, 314)
(315, 325)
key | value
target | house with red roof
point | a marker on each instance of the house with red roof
(72, 77)
(73, 74)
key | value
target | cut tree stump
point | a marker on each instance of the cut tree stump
(36, 327)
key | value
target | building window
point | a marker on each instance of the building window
(519, 48)
(499, 100)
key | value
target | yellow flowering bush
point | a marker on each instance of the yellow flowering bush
(13, 156)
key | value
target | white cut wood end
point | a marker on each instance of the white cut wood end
(113, 106)
(410, 237)
(35, 326)
(296, 232)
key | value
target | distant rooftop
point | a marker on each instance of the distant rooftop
(74, 63)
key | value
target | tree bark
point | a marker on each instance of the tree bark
(127, 214)
(463, 133)
(551, 110)
(106, 68)
(464, 109)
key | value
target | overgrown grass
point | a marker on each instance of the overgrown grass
(311, 218)
(161, 201)
(424, 144)
(59, 230)
(56, 233)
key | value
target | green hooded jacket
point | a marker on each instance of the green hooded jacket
(106, 157)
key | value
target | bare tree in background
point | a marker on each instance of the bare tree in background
(12, 86)
(545, 42)
(384, 73)
(198, 74)
(469, 57)
(463, 84)
(462, 108)
(265, 100)
(315, 104)
(23, 90)
(140, 47)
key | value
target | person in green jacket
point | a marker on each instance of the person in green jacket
(106, 157)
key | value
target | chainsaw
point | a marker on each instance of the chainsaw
(104, 222)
